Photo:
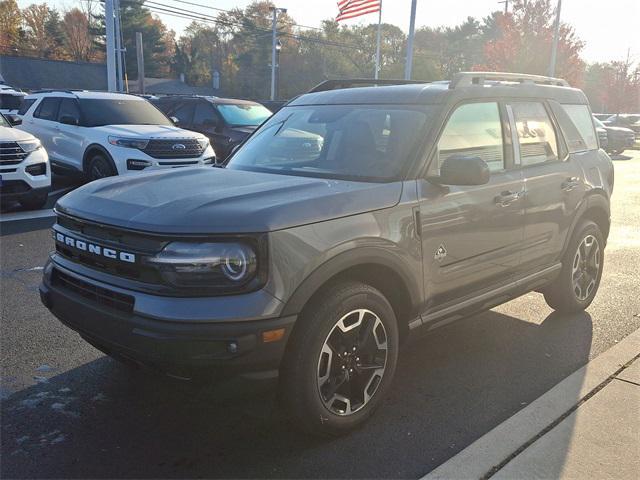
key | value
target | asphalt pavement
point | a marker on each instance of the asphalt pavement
(69, 411)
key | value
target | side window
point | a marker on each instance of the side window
(536, 135)
(47, 109)
(205, 116)
(581, 118)
(68, 107)
(474, 130)
(26, 105)
(184, 113)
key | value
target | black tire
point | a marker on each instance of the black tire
(300, 389)
(618, 152)
(566, 296)
(34, 202)
(99, 167)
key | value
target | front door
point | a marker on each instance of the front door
(472, 235)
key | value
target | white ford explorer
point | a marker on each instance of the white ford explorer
(103, 134)
(25, 175)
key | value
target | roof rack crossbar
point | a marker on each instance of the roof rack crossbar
(466, 79)
(358, 82)
(57, 90)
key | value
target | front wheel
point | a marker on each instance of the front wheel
(341, 361)
(100, 167)
(578, 282)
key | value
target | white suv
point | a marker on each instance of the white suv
(25, 174)
(103, 134)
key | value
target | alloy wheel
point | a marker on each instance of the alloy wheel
(586, 267)
(352, 362)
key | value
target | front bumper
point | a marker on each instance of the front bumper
(180, 348)
(126, 158)
(18, 184)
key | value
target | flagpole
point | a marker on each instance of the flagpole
(412, 29)
(377, 72)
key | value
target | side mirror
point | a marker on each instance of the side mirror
(174, 120)
(69, 120)
(14, 120)
(463, 170)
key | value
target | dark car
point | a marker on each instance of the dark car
(227, 122)
(626, 120)
(618, 139)
(423, 204)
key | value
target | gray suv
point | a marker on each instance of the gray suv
(356, 217)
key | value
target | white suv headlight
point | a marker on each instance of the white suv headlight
(204, 142)
(139, 143)
(30, 145)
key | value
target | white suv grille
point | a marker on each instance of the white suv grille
(11, 154)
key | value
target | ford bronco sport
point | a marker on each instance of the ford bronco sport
(425, 202)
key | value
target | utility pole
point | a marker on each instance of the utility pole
(119, 50)
(506, 6)
(140, 58)
(111, 46)
(274, 46)
(412, 30)
(554, 46)
(378, 39)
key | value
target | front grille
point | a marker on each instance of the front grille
(99, 295)
(14, 186)
(173, 148)
(11, 153)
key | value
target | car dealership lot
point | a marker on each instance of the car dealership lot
(68, 411)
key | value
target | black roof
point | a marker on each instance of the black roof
(464, 86)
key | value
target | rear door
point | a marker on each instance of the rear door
(472, 235)
(553, 182)
(44, 125)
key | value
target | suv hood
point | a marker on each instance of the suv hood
(14, 135)
(148, 131)
(212, 200)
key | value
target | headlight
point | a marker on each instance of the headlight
(207, 265)
(203, 142)
(30, 145)
(139, 143)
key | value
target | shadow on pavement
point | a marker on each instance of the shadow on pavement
(101, 420)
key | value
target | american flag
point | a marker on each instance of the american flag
(355, 8)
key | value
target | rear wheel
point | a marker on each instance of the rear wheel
(99, 167)
(618, 152)
(578, 282)
(341, 361)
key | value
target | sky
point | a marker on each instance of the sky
(609, 28)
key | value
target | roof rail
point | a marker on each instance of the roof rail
(358, 82)
(57, 90)
(466, 79)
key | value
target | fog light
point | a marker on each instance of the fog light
(137, 164)
(37, 169)
(272, 335)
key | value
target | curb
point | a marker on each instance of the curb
(480, 458)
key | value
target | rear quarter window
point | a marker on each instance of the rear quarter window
(583, 136)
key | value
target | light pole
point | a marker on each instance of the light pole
(554, 46)
(111, 46)
(274, 48)
(412, 30)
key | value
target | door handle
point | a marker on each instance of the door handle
(570, 184)
(506, 198)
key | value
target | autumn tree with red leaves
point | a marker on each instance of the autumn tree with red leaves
(524, 42)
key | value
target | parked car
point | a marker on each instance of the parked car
(226, 122)
(618, 139)
(426, 203)
(10, 99)
(626, 120)
(602, 116)
(104, 134)
(25, 175)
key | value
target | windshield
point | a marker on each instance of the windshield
(369, 143)
(96, 113)
(3, 121)
(239, 115)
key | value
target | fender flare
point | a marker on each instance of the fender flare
(342, 262)
(597, 198)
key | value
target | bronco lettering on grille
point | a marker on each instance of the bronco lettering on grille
(95, 249)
